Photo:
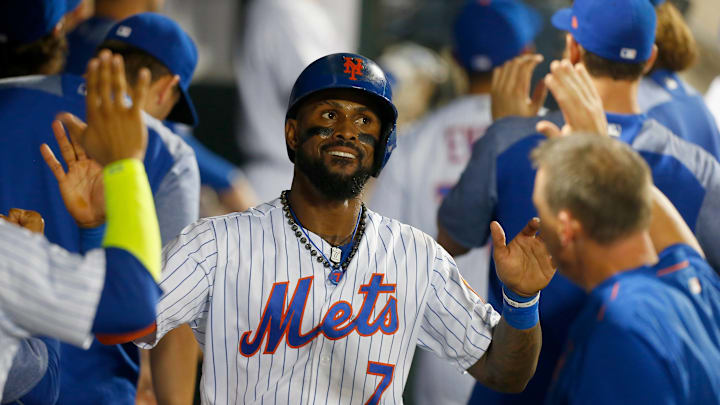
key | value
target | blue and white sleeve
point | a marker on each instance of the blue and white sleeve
(457, 325)
(467, 210)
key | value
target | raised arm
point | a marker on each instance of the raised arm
(524, 266)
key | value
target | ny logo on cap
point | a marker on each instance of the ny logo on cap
(123, 31)
(628, 53)
(353, 68)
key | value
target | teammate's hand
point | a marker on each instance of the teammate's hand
(81, 186)
(524, 265)
(578, 99)
(30, 220)
(511, 88)
(114, 130)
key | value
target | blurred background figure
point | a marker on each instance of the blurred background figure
(431, 157)
(667, 98)
(101, 15)
(416, 73)
(280, 38)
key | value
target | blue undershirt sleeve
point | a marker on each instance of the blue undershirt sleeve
(91, 238)
(47, 390)
(129, 296)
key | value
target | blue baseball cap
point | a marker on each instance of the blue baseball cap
(619, 30)
(26, 21)
(487, 33)
(657, 2)
(163, 38)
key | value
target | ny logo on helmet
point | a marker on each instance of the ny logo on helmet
(353, 66)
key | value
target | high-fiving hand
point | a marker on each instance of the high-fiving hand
(510, 94)
(115, 130)
(524, 265)
(578, 100)
(81, 186)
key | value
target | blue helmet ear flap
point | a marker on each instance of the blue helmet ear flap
(349, 71)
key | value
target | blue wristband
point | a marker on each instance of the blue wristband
(520, 312)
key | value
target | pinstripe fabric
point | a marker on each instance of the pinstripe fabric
(220, 273)
(65, 290)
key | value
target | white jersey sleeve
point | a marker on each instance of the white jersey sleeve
(188, 274)
(46, 290)
(457, 325)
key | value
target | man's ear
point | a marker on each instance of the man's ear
(58, 29)
(166, 88)
(292, 138)
(573, 49)
(569, 228)
(651, 62)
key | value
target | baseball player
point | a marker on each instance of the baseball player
(29, 103)
(433, 154)
(312, 298)
(652, 314)
(668, 99)
(497, 183)
(46, 290)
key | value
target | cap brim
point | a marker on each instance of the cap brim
(562, 19)
(184, 110)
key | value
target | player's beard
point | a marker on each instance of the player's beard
(334, 186)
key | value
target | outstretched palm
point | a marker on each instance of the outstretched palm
(524, 265)
(81, 186)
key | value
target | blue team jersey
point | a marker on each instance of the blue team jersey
(497, 185)
(646, 336)
(673, 103)
(83, 42)
(104, 374)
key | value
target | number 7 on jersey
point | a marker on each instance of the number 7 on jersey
(386, 372)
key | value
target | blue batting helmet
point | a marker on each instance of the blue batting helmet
(349, 71)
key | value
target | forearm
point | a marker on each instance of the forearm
(174, 367)
(510, 361)
(667, 226)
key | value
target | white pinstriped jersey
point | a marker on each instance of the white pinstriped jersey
(275, 331)
(45, 290)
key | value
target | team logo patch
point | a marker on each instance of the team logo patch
(574, 23)
(123, 31)
(628, 53)
(353, 67)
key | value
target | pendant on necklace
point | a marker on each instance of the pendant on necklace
(335, 255)
(335, 276)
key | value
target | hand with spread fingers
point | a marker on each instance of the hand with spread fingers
(524, 265)
(511, 88)
(578, 99)
(114, 130)
(30, 220)
(81, 186)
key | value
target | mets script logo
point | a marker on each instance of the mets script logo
(280, 321)
(353, 66)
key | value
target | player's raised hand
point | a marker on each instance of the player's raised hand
(81, 186)
(30, 220)
(511, 88)
(578, 99)
(115, 130)
(524, 265)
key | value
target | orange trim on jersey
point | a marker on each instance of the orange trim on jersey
(673, 268)
(116, 339)
(471, 289)
(614, 292)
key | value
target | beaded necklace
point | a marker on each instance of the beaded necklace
(339, 258)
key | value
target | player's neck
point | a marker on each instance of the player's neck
(601, 262)
(618, 96)
(333, 220)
